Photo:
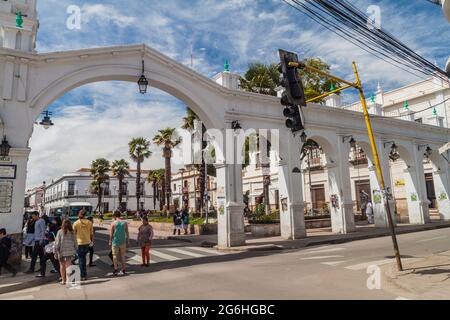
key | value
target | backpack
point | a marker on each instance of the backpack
(14, 247)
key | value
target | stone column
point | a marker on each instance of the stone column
(441, 180)
(416, 196)
(290, 179)
(12, 184)
(230, 202)
(341, 204)
(379, 210)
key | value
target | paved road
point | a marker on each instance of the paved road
(181, 271)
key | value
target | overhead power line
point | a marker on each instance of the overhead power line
(348, 22)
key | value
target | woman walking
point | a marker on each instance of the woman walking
(65, 248)
(28, 239)
(144, 240)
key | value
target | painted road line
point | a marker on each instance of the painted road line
(163, 255)
(206, 250)
(324, 251)
(334, 263)
(27, 297)
(186, 253)
(365, 265)
(322, 257)
(432, 239)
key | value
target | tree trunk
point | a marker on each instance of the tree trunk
(167, 156)
(202, 175)
(138, 184)
(154, 195)
(99, 199)
(119, 196)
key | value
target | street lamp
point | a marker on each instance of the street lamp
(143, 82)
(4, 148)
(46, 121)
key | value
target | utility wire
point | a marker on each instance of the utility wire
(415, 112)
(347, 21)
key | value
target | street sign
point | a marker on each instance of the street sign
(445, 148)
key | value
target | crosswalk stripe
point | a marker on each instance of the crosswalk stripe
(334, 263)
(163, 255)
(324, 251)
(365, 265)
(206, 250)
(186, 253)
(322, 257)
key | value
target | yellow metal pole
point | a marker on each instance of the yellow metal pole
(328, 93)
(378, 169)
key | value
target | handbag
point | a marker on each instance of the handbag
(49, 248)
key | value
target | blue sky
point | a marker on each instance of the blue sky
(242, 31)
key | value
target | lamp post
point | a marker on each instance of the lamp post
(143, 82)
(46, 121)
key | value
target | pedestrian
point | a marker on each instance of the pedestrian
(49, 250)
(91, 246)
(38, 248)
(66, 246)
(118, 239)
(144, 240)
(369, 212)
(364, 199)
(84, 232)
(177, 222)
(5, 252)
(101, 219)
(28, 238)
(185, 219)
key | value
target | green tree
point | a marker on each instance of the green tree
(169, 140)
(139, 149)
(261, 78)
(156, 178)
(264, 79)
(100, 174)
(120, 169)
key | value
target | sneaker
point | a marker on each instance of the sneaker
(83, 279)
(115, 273)
(40, 276)
(123, 273)
(54, 271)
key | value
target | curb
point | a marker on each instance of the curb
(28, 284)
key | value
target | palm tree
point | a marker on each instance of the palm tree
(161, 182)
(169, 140)
(120, 169)
(139, 151)
(188, 124)
(99, 171)
(261, 78)
(155, 178)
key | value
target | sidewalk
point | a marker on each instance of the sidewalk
(427, 279)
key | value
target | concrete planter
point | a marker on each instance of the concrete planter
(265, 230)
(168, 227)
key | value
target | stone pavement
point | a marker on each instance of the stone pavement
(427, 279)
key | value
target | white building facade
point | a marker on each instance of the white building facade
(75, 187)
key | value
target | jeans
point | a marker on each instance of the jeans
(91, 255)
(82, 252)
(38, 250)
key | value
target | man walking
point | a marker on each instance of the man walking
(84, 231)
(364, 198)
(118, 239)
(5, 251)
(38, 249)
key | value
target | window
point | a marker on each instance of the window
(71, 189)
(106, 191)
(174, 187)
(124, 188)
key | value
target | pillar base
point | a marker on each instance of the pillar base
(342, 219)
(292, 222)
(231, 226)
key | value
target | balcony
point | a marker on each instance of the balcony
(358, 157)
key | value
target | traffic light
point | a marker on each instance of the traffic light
(294, 96)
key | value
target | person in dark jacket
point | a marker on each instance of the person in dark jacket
(185, 219)
(177, 222)
(5, 251)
